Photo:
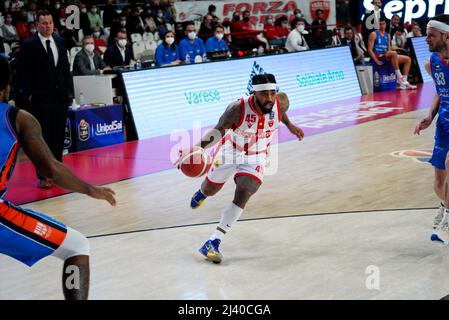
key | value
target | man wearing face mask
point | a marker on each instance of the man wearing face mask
(94, 18)
(295, 40)
(217, 42)
(191, 48)
(87, 61)
(277, 32)
(84, 20)
(118, 54)
(167, 53)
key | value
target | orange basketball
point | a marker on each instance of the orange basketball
(195, 162)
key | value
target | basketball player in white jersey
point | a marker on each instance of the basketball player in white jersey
(244, 131)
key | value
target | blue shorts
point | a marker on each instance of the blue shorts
(440, 149)
(28, 236)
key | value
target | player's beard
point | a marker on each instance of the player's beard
(439, 47)
(263, 107)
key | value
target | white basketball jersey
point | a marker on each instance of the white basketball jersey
(254, 133)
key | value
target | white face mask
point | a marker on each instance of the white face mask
(122, 43)
(96, 34)
(89, 47)
(300, 28)
(57, 6)
(298, 15)
(269, 21)
(191, 35)
(219, 36)
(170, 40)
(123, 23)
(83, 10)
(94, 10)
(33, 31)
(160, 15)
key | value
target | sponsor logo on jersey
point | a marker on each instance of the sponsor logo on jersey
(41, 229)
(421, 156)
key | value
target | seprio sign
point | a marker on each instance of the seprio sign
(408, 10)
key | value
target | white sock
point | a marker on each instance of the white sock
(398, 74)
(229, 216)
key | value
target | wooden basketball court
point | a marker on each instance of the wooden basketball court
(343, 218)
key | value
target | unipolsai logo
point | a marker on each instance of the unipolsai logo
(73, 17)
(83, 130)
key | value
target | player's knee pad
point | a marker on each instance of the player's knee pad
(75, 244)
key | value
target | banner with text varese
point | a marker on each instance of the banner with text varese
(195, 10)
(163, 100)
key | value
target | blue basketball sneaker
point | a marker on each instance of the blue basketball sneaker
(211, 252)
(197, 200)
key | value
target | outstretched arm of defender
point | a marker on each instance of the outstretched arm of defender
(229, 118)
(284, 105)
(427, 121)
(30, 137)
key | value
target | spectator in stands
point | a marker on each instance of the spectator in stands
(179, 32)
(84, 20)
(109, 14)
(416, 31)
(22, 25)
(355, 42)
(336, 38)
(282, 27)
(212, 10)
(318, 24)
(206, 28)
(271, 33)
(55, 12)
(379, 48)
(399, 41)
(32, 28)
(87, 61)
(99, 42)
(150, 24)
(9, 32)
(191, 48)
(14, 5)
(156, 6)
(244, 33)
(161, 22)
(217, 41)
(32, 12)
(94, 18)
(167, 53)
(295, 40)
(118, 55)
(136, 24)
(120, 25)
(395, 22)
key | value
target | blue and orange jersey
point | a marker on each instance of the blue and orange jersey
(440, 72)
(381, 43)
(9, 146)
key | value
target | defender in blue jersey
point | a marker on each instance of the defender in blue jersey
(30, 236)
(379, 48)
(438, 67)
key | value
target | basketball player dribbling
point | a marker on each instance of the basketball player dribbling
(438, 68)
(245, 131)
(29, 236)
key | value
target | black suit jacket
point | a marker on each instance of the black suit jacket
(81, 64)
(38, 77)
(113, 58)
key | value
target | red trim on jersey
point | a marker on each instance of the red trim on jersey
(247, 152)
(239, 174)
(214, 183)
(242, 117)
(442, 59)
(279, 108)
(8, 165)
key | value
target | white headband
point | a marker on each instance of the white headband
(264, 87)
(440, 26)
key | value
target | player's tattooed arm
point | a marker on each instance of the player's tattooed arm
(30, 138)
(228, 119)
(284, 104)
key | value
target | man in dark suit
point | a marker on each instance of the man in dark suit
(87, 62)
(45, 81)
(118, 54)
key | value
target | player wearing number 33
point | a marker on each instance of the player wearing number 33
(438, 67)
(244, 133)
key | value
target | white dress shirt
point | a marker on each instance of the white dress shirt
(53, 46)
